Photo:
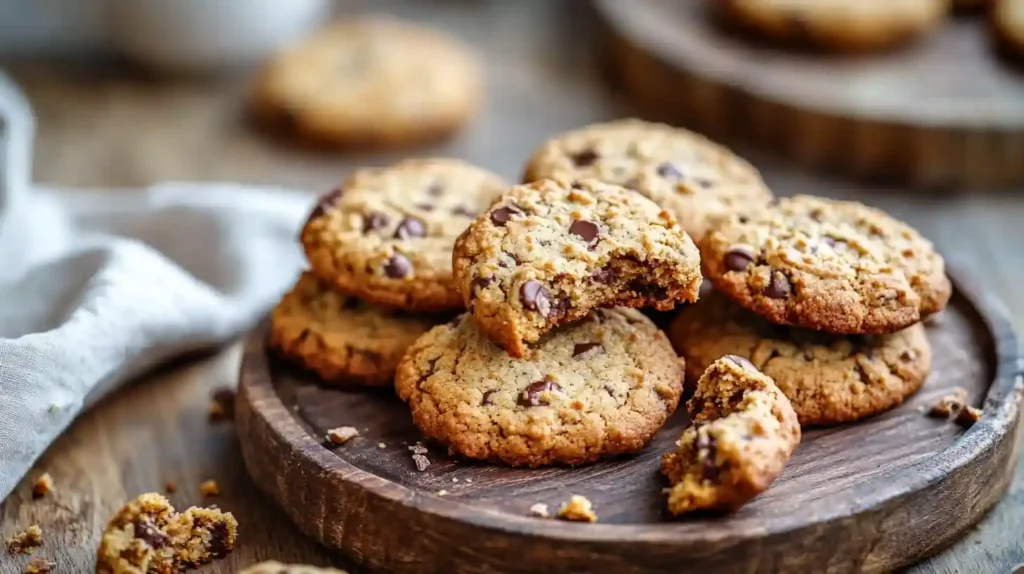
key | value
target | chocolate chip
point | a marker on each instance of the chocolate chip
(486, 400)
(436, 189)
(585, 230)
(668, 170)
(742, 362)
(531, 395)
(464, 211)
(581, 348)
(501, 215)
(584, 158)
(410, 227)
(481, 283)
(707, 452)
(648, 291)
(303, 334)
(425, 206)
(736, 398)
(605, 275)
(220, 543)
(350, 303)
(738, 259)
(374, 220)
(830, 241)
(779, 287)
(908, 355)
(324, 203)
(398, 266)
(536, 297)
(705, 183)
(147, 531)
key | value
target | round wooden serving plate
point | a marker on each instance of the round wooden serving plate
(944, 111)
(865, 497)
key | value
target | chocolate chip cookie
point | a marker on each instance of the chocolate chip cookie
(1008, 26)
(837, 25)
(684, 172)
(342, 339)
(601, 386)
(386, 235)
(828, 265)
(371, 81)
(147, 535)
(548, 252)
(743, 433)
(828, 379)
(279, 568)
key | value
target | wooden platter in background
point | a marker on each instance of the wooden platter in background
(944, 112)
(866, 497)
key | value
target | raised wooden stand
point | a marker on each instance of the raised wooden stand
(944, 112)
(865, 497)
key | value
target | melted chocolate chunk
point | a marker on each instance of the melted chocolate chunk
(374, 220)
(585, 230)
(220, 543)
(738, 259)
(502, 215)
(147, 531)
(605, 275)
(582, 348)
(536, 297)
(486, 399)
(410, 227)
(398, 266)
(742, 362)
(324, 203)
(668, 170)
(707, 452)
(531, 395)
(585, 158)
(779, 287)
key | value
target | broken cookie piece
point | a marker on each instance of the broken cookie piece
(743, 433)
(967, 417)
(949, 404)
(25, 542)
(39, 566)
(42, 486)
(578, 509)
(342, 435)
(148, 535)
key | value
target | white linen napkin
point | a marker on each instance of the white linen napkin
(98, 286)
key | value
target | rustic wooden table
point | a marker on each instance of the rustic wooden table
(101, 125)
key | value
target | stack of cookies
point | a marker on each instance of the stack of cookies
(814, 318)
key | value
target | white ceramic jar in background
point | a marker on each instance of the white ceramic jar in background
(208, 35)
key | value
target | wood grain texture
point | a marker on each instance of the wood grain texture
(102, 125)
(943, 112)
(873, 496)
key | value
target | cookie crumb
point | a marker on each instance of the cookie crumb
(222, 405)
(540, 510)
(209, 488)
(171, 487)
(948, 404)
(381, 445)
(967, 417)
(419, 449)
(39, 566)
(469, 480)
(442, 492)
(42, 486)
(578, 509)
(454, 479)
(421, 462)
(342, 435)
(25, 542)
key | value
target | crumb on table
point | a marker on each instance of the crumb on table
(25, 542)
(42, 486)
(222, 405)
(421, 462)
(419, 449)
(39, 566)
(342, 435)
(948, 404)
(209, 488)
(382, 446)
(540, 510)
(578, 509)
(171, 487)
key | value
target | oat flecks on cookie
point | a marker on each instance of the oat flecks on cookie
(386, 234)
(578, 509)
(601, 386)
(689, 175)
(743, 433)
(370, 81)
(279, 568)
(346, 341)
(148, 535)
(548, 252)
(828, 265)
(829, 379)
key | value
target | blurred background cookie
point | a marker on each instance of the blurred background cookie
(370, 81)
(1008, 25)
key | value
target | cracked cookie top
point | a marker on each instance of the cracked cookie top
(828, 378)
(386, 234)
(684, 172)
(548, 252)
(598, 387)
(835, 266)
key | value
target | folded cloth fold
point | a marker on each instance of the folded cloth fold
(98, 286)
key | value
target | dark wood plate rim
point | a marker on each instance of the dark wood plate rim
(1000, 413)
